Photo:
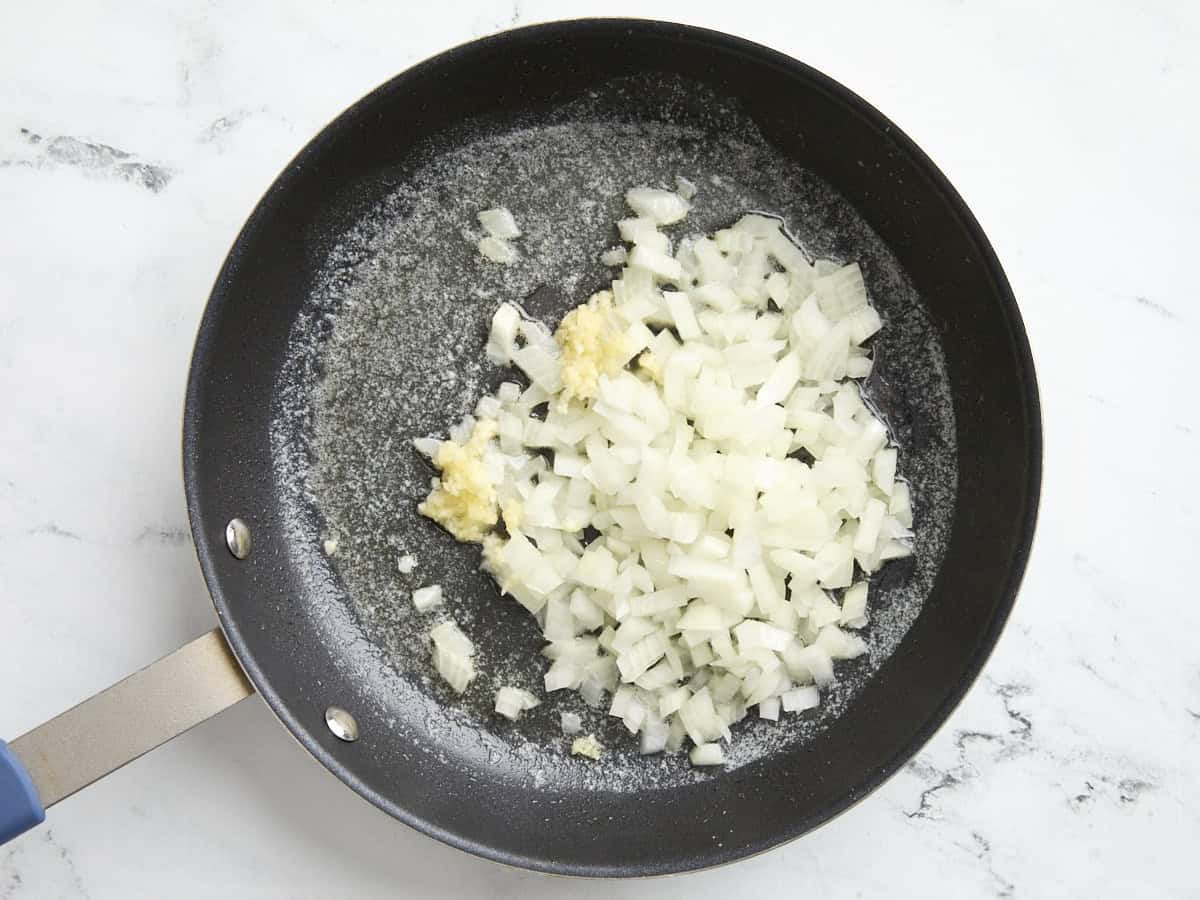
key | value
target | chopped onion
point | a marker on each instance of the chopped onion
(541, 366)
(657, 263)
(499, 223)
(503, 335)
(497, 251)
(662, 207)
(867, 533)
(842, 292)
(452, 652)
(900, 505)
(884, 470)
(854, 606)
(799, 699)
(769, 709)
(678, 401)
(511, 702)
(707, 755)
(427, 598)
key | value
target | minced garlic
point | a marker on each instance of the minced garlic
(463, 500)
(587, 746)
(592, 345)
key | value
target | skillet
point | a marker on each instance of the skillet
(350, 317)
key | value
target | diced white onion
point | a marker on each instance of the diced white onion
(427, 597)
(707, 755)
(497, 250)
(769, 709)
(657, 263)
(499, 223)
(662, 207)
(800, 698)
(854, 606)
(452, 652)
(503, 335)
(677, 403)
(511, 702)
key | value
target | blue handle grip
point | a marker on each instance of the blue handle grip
(20, 807)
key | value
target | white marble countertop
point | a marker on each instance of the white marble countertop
(1071, 768)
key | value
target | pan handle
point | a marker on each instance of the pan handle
(115, 727)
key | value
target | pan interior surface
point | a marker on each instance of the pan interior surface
(359, 289)
(391, 349)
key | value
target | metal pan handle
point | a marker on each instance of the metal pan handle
(115, 727)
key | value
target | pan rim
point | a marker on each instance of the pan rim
(206, 543)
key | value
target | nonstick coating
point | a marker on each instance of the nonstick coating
(300, 624)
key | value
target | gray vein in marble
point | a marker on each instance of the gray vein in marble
(223, 125)
(982, 850)
(95, 159)
(168, 536)
(1110, 683)
(10, 883)
(50, 529)
(1118, 782)
(1147, 303)
(1015, 742)
(1120, 788)
(1118, 791)
(1087, 796)
(175, 537)
(16, 855)
(1131, 789)
(945, 780)
(68, 863)
(1007, 692)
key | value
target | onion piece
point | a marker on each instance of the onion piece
(662, 207)
(707, 755)
(427, 598)
(499, 223)
(452, 652)
(511, 702)
(799, 699)
(854, 606)
(498, 251)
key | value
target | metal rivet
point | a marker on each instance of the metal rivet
(237, 538)
(342, 724)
